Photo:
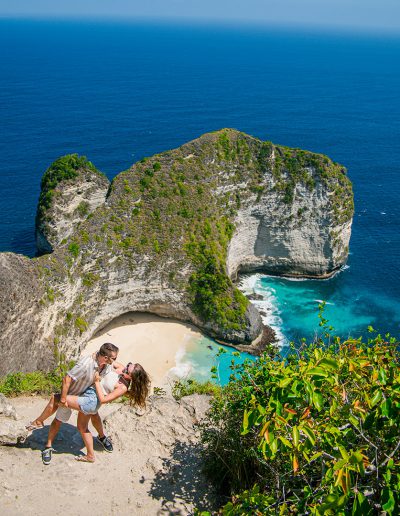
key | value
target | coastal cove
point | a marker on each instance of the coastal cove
(169, 350)
(332, 93)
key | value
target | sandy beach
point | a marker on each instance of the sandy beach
(153, 341)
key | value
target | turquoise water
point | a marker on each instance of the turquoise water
(202, 354)
(291, 307)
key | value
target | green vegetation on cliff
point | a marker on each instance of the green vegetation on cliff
(37, 382)
(317, 434)
(63, 169)
(213, 295)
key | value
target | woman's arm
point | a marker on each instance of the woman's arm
(119, 390)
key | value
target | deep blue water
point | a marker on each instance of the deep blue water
(118, 92)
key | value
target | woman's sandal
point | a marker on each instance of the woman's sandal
(84, 458)
(33, 426)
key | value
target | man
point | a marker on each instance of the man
(76, 381)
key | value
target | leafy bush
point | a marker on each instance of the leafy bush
(83, 208)
(183, 388)
(81, 324)
(73, 248)
(317, 434)
(15, 384)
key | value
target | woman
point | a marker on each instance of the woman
(131, 380)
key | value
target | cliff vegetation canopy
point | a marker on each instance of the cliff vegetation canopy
(317, 434)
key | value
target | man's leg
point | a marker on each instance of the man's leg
(53, 431)
(104, 441)
(98, 424)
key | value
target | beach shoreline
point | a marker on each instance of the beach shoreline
(155, 342)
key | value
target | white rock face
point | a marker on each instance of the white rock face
(71, 204)
(297, 239)
(12, 430)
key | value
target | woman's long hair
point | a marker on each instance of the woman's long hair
(139, 387)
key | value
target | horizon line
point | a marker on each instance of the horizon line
(223, 23)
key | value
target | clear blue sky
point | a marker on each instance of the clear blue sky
(358, 14)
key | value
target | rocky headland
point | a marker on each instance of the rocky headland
(169, 236)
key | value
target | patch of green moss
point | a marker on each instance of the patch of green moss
(81, 324)
(73, 248)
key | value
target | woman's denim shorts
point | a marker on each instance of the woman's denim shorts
(88, 401)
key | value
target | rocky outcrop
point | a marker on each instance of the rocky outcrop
(170, 238)
(72, 188)
(12, 430)
(166, 444)
(22, 318)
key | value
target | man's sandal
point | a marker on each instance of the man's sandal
(106, 443)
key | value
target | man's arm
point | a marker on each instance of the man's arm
(66, 382)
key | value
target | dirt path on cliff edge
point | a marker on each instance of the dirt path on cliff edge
(155, 468)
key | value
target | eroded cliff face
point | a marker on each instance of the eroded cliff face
(307, 237)
(169, 239)
(72, 188)
(23, 346)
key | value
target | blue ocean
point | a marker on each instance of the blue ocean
(117, 92)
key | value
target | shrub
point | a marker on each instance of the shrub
(83, 208)
(74, 249)
(15, 384)
(81, 324)
(183, 388)
(317, 434)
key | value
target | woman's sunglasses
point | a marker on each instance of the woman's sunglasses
(126, 370)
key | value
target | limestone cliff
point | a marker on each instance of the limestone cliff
(170, 238)
(71, 189)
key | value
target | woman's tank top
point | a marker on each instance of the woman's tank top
(109, 381)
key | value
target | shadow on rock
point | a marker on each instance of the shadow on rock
(180, 480)
(68, 439)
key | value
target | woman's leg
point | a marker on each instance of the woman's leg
(48, 411)
(82, 424)
(72, 402)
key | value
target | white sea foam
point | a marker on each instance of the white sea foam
(183, 367)
(248, 283)
(268, 306)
